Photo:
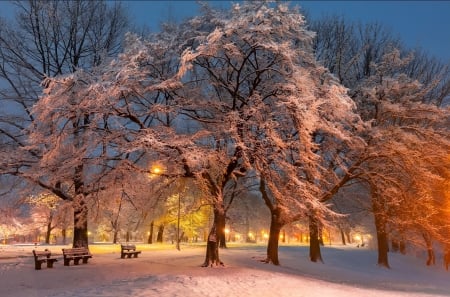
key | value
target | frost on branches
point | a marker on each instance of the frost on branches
(405, 158)
(226, 96)
(259, 91)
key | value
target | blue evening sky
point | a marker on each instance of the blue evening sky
(424, 24)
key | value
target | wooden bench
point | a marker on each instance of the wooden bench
(43, 257)
(76, 254)
(128, 250)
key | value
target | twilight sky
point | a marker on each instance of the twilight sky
(424, 24)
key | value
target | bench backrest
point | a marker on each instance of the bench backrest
(128, 247)
(76, 251)
(41, 254)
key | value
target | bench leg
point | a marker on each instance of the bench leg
(50, 263)
(85, 260)
(135, 255)
(76, 261)
(66, 262)
(37, 265)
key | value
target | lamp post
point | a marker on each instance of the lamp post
(178, 222)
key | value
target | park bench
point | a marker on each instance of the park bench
(128, 250)
(43, 257)
(76, 254)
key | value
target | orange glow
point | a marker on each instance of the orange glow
(156, 169)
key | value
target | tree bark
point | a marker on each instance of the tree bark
(80, 225)
(64, 235)
(349, 238)
(150, 235)
(431, 260)
(320, 230)
(49, 231)
(159, 236)
(212, 248)
(274, 235)
(342, 236)
(380, 226)
(402, 247)
(115, 235)
(221, 231)
(314, 242)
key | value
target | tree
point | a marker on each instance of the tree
(260, 77)
(239, 106)
(407, 144)
(51, 38)
(355, 54)
(45, 210)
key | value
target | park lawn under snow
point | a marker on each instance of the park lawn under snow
(347, 271)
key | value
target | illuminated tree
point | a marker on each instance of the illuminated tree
(48, 212)
(406, 151)
(257, 75)
(46, 39)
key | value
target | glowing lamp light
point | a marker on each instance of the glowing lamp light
(155, 170)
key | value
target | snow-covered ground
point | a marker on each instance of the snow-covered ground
(164, 271)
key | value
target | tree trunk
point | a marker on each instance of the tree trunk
(320, 230)
(64, 235)
(274, 235)
(221, 231)
(115, 235)
(48, 233)
(382, 238)
(395, 245)
(159, 236)
(212, 247)
(314, 242)
(349, 237)
(80, 225)
(150, 235)
(342, 235)
(402, 247)
(431, 260)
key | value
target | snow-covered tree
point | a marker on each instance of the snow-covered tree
(257, 88)
(406, 152)
(46, 39)
(44, 212)
(247, 94)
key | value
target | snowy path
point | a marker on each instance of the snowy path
(346, 272)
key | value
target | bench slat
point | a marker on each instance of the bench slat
(43, 257)
(128, 250)
(76, 254)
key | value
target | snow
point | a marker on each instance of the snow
(162, 270)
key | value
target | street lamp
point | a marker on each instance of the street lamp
(156, 170)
